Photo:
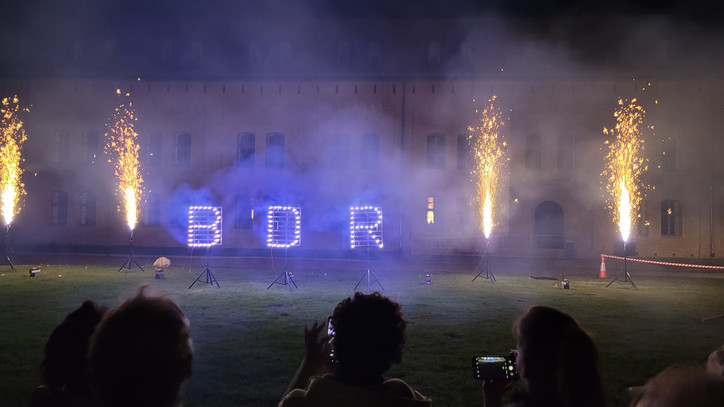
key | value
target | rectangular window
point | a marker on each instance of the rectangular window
(245, 149)
(436, 151)
(370, 151)
(533, 152)
(463, 156)
(566, 150)
(275, 150)
(643, 223)
(61, 147)
(243, 212)
(433, 213)
(91, 145)
(153, 150)
(339, 151)
(59, 208)
(670, 218)
(430, 213)
(153, 209)
(183, 150)
(87, 209)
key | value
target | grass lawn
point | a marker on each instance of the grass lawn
(248, 339)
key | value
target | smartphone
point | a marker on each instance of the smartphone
(330, 333)
(494, 368)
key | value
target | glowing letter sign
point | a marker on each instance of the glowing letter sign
(204, 226)
(365, 226)
(284, 226)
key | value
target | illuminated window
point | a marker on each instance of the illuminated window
(275, 150)
(339, 151)
(59, 208)
(566, 153)
(152, 214)
(61, 147)
(243, 212)
(87, 208)
(533, 152)
(91, 144)
(370, 151)
(668, 154)
(462, 153)
(430, 213)
(153, 150)
(183, 150)
(436, 151)
(670, 218)
(245, 149)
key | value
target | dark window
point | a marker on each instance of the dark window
(61, 147)
(548, 226)
(462, 153)
(436, 151)
(183, 150)
(243, 212)
(245, 149)
(59, 208)
(643, 222)
(153, 150)
(374, 57)
(370, 151)
(91, 144)
(670, 218)
(339, 151)
(275, 150)
(668, 154)
(566, 151)
(87, 208)
(533, 152)
(153, 209)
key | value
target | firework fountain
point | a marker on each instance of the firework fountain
(621, 178)
(122, 149)
(489, 160)
(11, 185)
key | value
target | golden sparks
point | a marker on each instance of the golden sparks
(489, 160)
(13, 137)
(122, 148)
(624, 165)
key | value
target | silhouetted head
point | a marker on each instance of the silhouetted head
(141, 353)
(557, 360)
(370, 333)
(689, 386)
(65, 363)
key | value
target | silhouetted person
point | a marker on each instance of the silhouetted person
(141, 353)
(682, 386)
(370, 334)
(557, 361)
(65, 366)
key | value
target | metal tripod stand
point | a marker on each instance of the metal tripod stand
(285, 277)
(208, 275)
(369, 274)
(130, 262)
(624, 276)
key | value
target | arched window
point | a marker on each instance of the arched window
(670, 218)
(548, 226)
(243, 212)
(61, 147)
(245, 149)
(87, 208)
(433, 213)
